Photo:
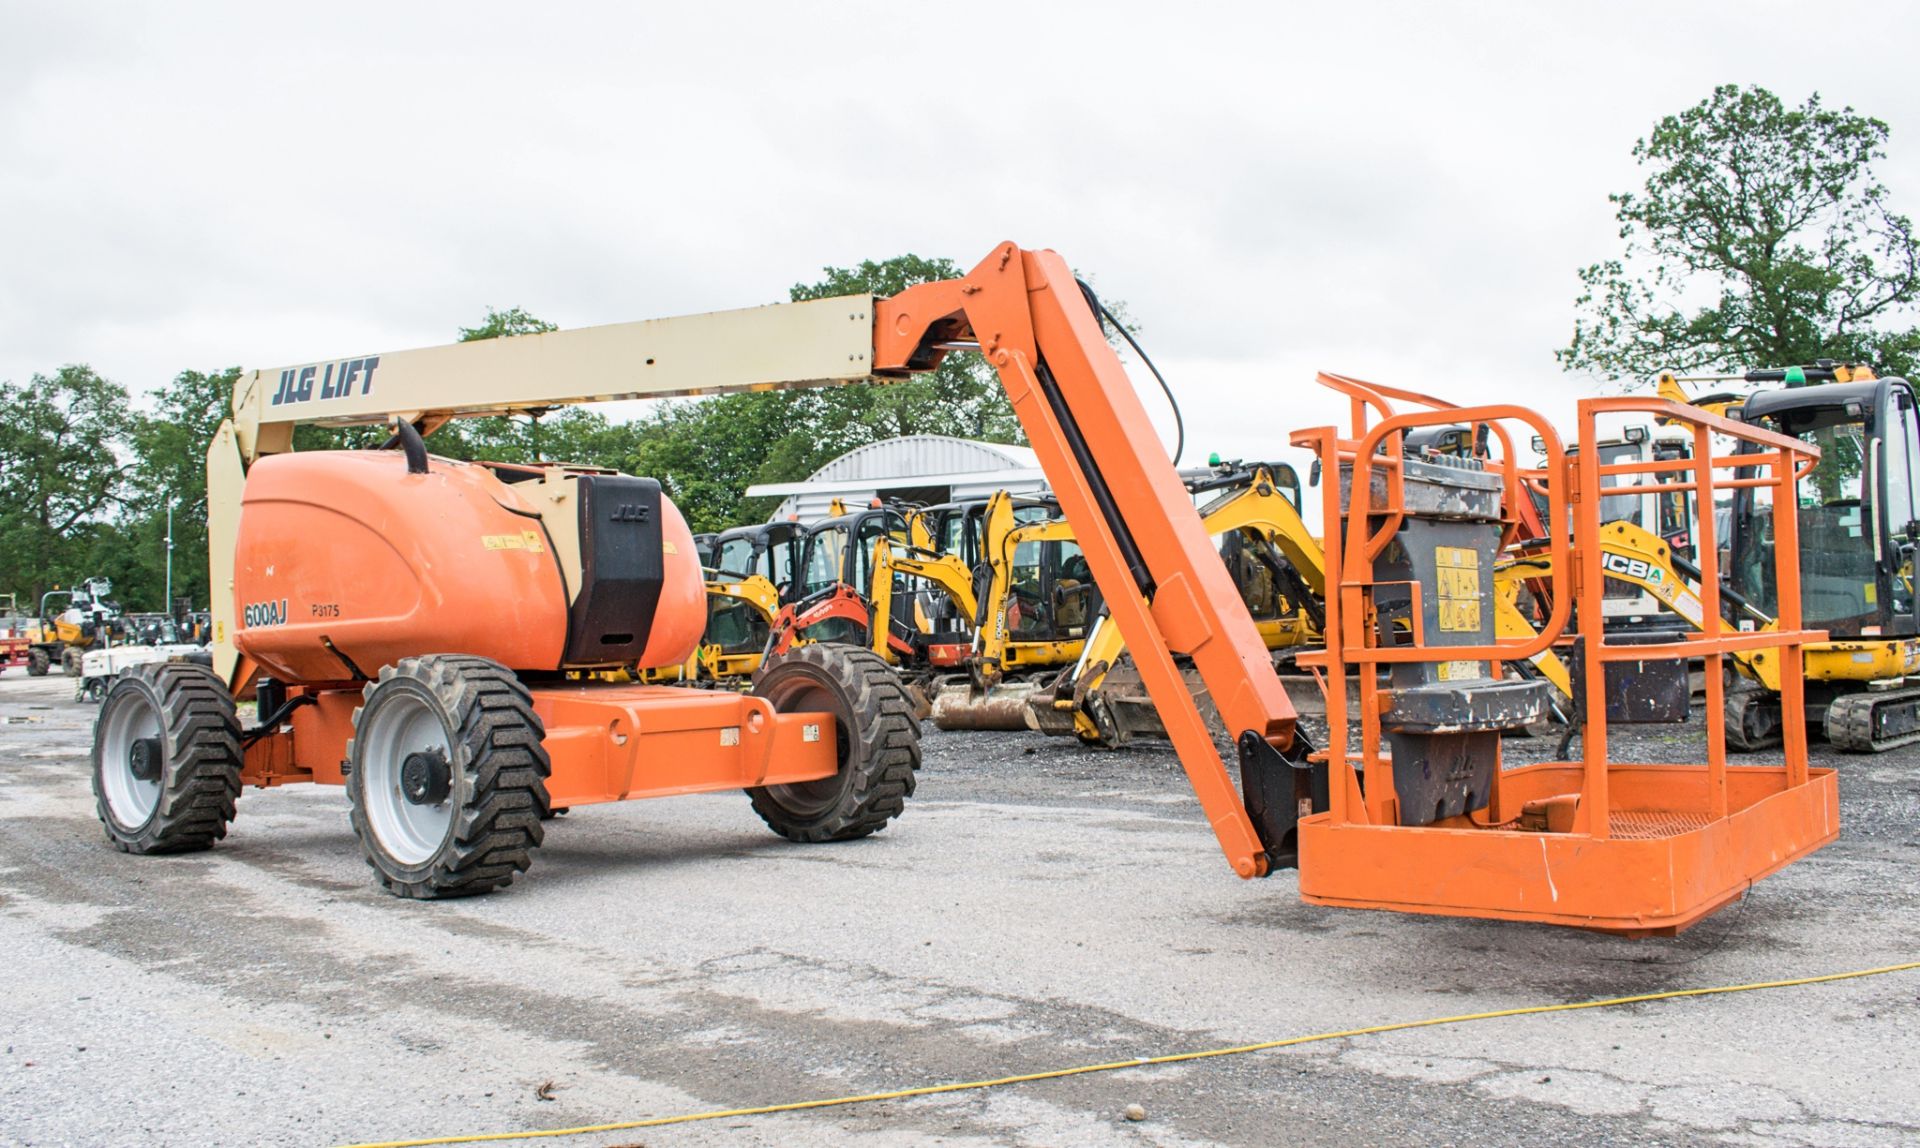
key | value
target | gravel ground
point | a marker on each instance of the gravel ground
(1038, 906)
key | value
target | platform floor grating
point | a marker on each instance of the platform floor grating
(1640, 825)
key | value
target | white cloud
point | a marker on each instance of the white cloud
(1397, 191)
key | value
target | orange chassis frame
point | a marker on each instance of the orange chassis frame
(1648, 849)
(1169, 593)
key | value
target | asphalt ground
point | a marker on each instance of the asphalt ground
(1038, 906)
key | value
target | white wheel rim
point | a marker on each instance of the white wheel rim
(402, 724)
(130, 800)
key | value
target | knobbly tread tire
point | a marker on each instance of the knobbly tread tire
(200, 774)
(38, 663)
(1850, 723)
(497, 740)
(70, 661)
(882, 744)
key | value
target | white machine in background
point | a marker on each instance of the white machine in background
(98, 668)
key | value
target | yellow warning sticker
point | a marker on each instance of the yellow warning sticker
(525, 540)
(1458, 568)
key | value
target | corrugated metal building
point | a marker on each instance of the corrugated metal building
(921, 468)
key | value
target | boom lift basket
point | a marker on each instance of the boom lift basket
(1619, 847)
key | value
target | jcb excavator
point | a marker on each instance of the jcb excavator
(750, 572)
(1857, 512)
(968, 641)
(1034, 602)
(358, 598)
(1278, 569)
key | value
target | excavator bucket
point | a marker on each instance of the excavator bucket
(961, 704)
(1424, 818)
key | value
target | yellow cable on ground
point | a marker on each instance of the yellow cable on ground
(1137, 1062)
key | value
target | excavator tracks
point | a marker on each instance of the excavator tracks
(1874, 721)
(1752, 717)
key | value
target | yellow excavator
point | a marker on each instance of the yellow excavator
(1032, 605)
(1277, 565)
(1858, 522)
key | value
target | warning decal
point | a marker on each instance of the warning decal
(1459, 575)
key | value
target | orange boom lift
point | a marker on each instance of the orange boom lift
(422, 630)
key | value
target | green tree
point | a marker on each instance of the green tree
(708, 451)
(570, 434)
(169, 450)
(1762, 238)
(505, 324)
(61, 473)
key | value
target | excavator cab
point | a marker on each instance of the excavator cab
(1856, 509)
(838, 557)
(750, 574)
(1858, 515)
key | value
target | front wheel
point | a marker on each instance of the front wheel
(166, 759)
(879, 743)
(447, 776)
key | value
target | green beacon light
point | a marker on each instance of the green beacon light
(1796, 377)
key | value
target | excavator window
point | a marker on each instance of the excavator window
(1052, 592)
(734, 558)
(826, 547)
(1900, 478)
(1838, 577)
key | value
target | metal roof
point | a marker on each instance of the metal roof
(962, 467)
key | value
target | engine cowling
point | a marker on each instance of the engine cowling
(346, 562)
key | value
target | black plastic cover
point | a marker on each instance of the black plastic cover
(621, 569)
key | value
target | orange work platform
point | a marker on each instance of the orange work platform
(1637, 849)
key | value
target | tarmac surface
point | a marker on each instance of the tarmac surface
(1038, 906)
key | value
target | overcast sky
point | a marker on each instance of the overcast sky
(1401, 192)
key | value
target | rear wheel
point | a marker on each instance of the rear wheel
(448, 776)
(878, 741)
(39, 662)
(166, 759)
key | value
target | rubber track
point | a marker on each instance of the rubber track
(1850, 722)
(202, 781)
(885, 751)
(498, 737)
(1733, 709)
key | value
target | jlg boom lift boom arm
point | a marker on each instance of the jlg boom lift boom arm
(1025, 313)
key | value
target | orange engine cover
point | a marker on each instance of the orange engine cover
(345, 551)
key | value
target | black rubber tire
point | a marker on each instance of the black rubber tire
(879, 743)
(499, 772)
(200, 762)
(70, 661)
(38, 662)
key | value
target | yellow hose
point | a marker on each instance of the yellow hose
(1137, 1062)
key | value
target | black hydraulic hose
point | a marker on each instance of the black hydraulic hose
(1106, 316)
(276, 719)
(407, 437)
(1096, 482)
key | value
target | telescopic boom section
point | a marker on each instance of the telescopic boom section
(1157, 569)
(1156, 566)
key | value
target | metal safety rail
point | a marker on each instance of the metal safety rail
(1627, 848)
